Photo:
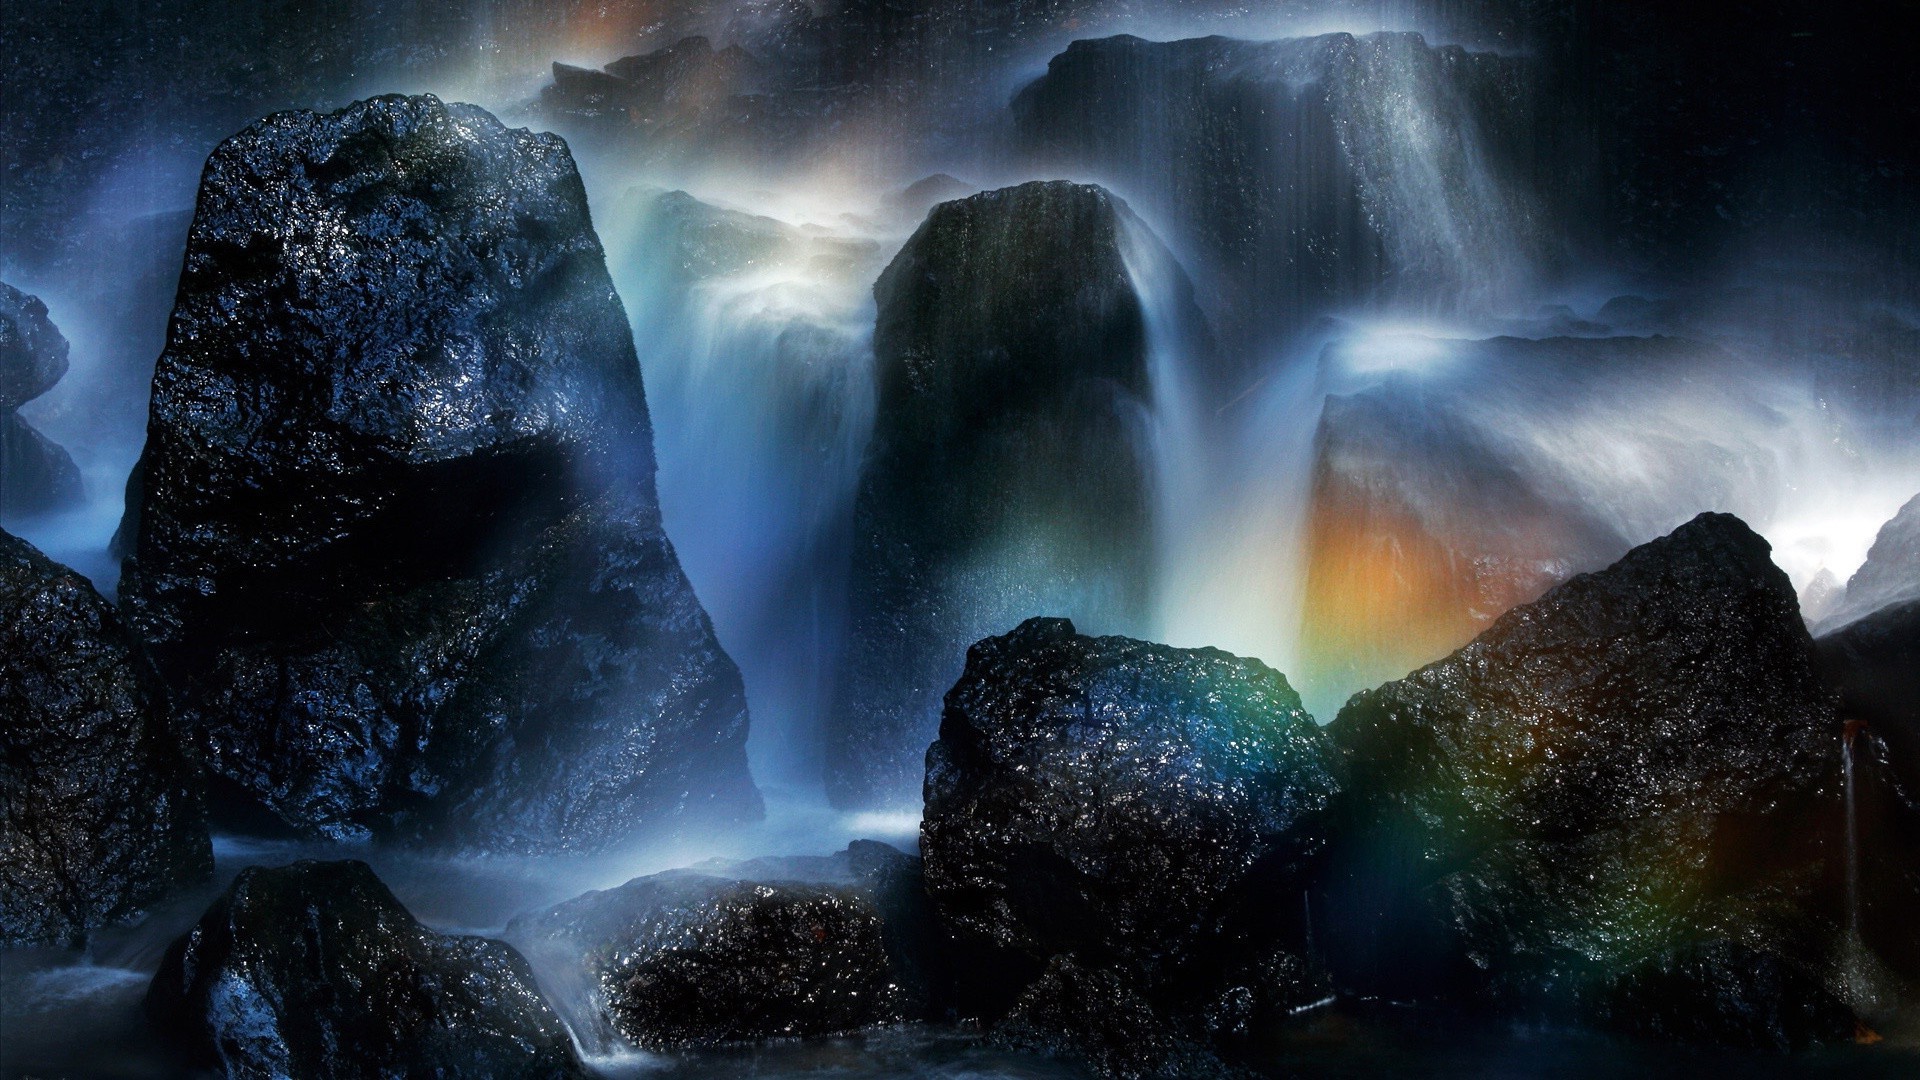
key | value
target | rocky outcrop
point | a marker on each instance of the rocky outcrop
(1584, 808)
(1454, 480)
(1006, 475)
(1392, 175)
(1891, 574)
(100, 816)
(314, 969)
(775, 948)
(397, 549)
(1141, 818)
(36, 473)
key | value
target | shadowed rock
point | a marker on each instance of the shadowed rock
(100, 815)
(36, 473)
(728, 953)
(1007, 475)
(316, 970)
(396, 546)
(1610, 779)
(1146, 812)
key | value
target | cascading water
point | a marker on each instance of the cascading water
(755, 347)
(1849, 733)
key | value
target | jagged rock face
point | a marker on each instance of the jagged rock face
(1640, 762)
(397, 549)
(1144, 809)
(1390, 171)
(33, 352)
(100, 810)
(36, 474)
(1454, 480)
(315, 969)
(1006, 476)
(1891, 574)
(776, 948)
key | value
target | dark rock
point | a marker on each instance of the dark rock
(1194, 127)
(774, 948)
(1640, 763)
(1148, 811)
(1006, 475)
(99, 809)
(33, 352)
(1875, 664)
(1093, 1015)
(1723, 993)
(398, 553)
(37, 475)
(316, 970)
(1453, 480)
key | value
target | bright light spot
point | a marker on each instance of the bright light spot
(1377, 352)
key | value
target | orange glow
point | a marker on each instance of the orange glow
(1386, 594)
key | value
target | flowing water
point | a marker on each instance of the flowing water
(750, 297)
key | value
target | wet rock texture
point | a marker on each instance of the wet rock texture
(1136, 816)
(316, 970)
(1004, 477)
(1573, 812)
(99, 813)
(719, 954)
(36, 474)
(395, 541)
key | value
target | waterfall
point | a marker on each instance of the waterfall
(1848, 734)
(754, 342)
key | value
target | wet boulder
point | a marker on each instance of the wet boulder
(100, 815)
(1007, 475)
(1149, 812)
(33, 352)
(730, 953)
(36, 473)
(315, 969)
(1641, 763)
(396, 546)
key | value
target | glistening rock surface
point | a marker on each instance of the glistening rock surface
(775, 948)
(99, 810)
(1006, 476)
(1147, 812)
(397, 548)
(36, 474)
(315, 970)
(1634, 767)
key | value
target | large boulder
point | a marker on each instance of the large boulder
(315, 969)
(1147, 813)
(1396, 173)
(1453, 480)
(774, 948)
(36, 473)
(33, 352)
(1007, 474)
(100, 814)
(1585, 809)
(396, 546)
